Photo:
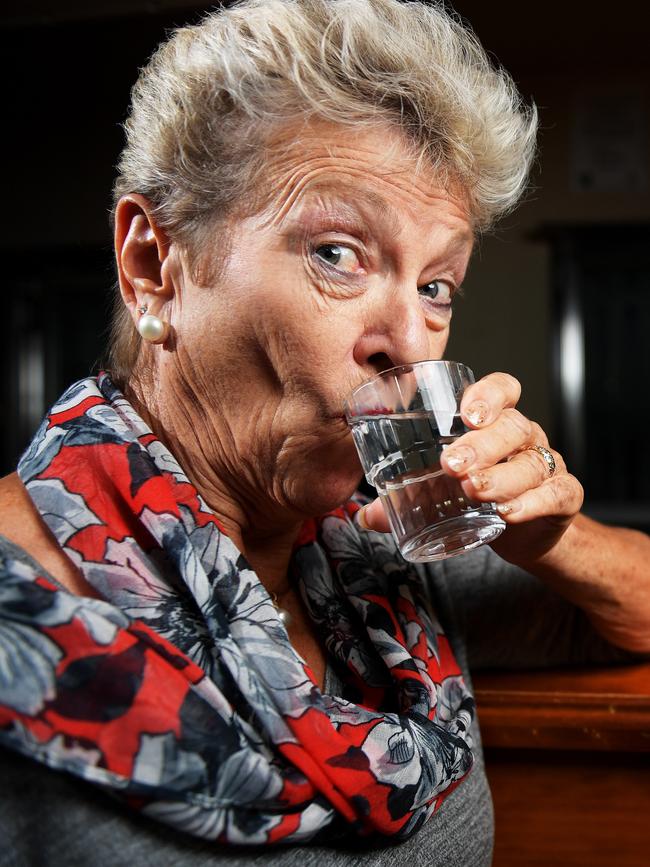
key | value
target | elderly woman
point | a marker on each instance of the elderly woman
(195, 617)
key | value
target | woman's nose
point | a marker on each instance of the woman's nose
(395, 333)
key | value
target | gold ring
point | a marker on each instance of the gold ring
(548, 457)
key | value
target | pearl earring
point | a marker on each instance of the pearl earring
(151, 328)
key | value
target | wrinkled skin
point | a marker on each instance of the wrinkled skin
(350, 267)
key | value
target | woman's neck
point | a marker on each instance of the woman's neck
(264, 533)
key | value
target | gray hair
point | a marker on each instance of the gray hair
(213, 94)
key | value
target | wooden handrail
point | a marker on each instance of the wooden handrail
(583, 709)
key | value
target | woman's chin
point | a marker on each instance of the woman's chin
(323, 478)
(325, 493)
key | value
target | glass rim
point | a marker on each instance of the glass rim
(396, 371)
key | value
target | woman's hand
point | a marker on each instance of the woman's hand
(495, 462)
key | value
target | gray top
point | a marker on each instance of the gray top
(494, 614)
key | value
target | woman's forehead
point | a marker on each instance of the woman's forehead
(359, 207)
(372, 174)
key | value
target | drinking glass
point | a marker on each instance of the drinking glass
(402, 420)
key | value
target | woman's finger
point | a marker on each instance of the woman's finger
(373, 517)
(478, 449)
(560, 497)
(505, 481)
(484, 400)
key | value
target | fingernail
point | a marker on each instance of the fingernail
(459, 458)
(508, 508)
(360, 518)
(478, 412)
(480, 481)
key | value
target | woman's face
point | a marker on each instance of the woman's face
(350, 268)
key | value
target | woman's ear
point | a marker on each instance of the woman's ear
(141, 248)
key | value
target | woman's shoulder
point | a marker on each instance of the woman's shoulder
(20, 521)
(22, 524)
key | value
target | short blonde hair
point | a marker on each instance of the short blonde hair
(214, 93)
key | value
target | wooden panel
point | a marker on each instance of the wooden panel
(570, 810)
(587, 709)
(568, 760)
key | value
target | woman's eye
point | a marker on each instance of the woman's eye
(438, 291)
(339, 256)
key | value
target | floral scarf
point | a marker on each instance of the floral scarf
(180, 692)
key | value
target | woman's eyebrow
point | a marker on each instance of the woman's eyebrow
(367, 207)
(368, 213)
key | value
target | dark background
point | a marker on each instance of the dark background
(558, 296)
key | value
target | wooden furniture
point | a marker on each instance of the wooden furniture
(568, 759)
